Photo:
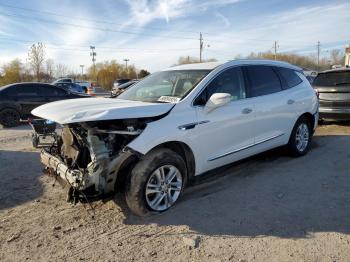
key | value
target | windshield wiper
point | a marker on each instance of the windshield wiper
(343, 83)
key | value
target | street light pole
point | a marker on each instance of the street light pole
(126, 63)
(93, 54)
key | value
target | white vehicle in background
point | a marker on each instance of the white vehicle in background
(177, 124)
(62, 80)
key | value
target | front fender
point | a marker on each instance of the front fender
(167, 129)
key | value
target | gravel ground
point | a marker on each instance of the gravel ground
(268, 208)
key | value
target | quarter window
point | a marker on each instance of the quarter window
(289, 76)
(263, 80)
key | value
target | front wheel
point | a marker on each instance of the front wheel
(156, 182)
(300, 139)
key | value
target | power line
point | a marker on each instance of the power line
(89, 20)
(233, 39)
(93, 27)
(112, 49)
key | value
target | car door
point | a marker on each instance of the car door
(273, 106)
(51, 93)
(222, 135)
(26, 95)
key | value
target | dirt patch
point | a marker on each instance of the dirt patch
(268, 208)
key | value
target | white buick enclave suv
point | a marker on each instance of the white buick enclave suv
(177, 124)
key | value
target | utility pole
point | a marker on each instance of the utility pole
(275, 48)
(318, 55)
(93, 54)
(200, 46)
(82, 70)
(126, 63)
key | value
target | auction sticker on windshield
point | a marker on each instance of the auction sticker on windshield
(169, 99)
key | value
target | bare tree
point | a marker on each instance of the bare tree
(50, 69)
(337, 57)
(36, 58)
(61, 70)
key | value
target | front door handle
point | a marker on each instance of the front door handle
(247, 110)
(290, 102)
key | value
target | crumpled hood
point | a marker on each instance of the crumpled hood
(96, 109)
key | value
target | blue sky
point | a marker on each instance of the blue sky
(154, 33)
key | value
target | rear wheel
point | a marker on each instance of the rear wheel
(9, 117)
(300, 139)
(156, 182)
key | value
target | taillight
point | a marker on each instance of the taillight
(317, 93)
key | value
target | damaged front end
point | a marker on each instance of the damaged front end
(89, 156)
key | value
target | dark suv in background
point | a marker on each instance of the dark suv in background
(18, 100)
(333, 87)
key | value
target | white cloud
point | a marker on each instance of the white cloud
(297, 29)
(144, 11)
(224, 19)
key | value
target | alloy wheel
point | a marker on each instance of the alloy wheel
(163, 187)
(302, 137)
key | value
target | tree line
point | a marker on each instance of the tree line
(336, 57)
(40, 69)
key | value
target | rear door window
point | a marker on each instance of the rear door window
(50, 91)
(263, 80)
(340, 78)
(290, 77)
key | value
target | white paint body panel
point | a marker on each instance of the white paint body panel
(228, 129)
(97, 109)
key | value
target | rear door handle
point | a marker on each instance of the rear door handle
(247, 111)
(290, 102)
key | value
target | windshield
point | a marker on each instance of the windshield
(332, 79)
(164, 86)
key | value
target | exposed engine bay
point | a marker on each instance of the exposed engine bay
(90, 155)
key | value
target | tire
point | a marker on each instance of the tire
(9, 117)
(300, 139)
(145, 178)
(35, 141)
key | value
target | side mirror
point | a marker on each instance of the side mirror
(217, 100)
